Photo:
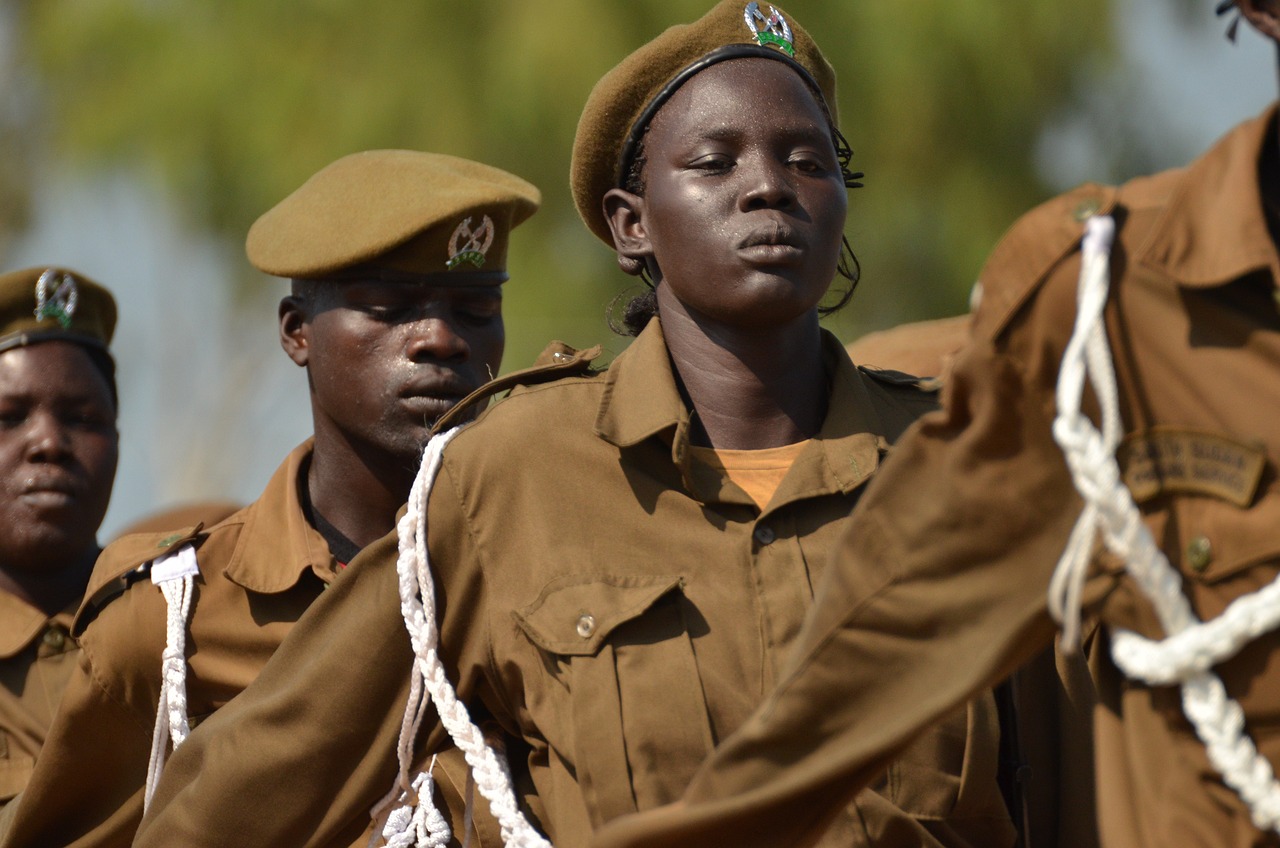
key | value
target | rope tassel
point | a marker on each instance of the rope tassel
(429, 683)
(175, 576)
(1192, 648)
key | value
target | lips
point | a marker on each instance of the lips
(431, 397)
(50, 490)
(775, 234)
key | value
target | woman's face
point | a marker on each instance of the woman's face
(744, 203)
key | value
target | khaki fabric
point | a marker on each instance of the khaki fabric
(259, 570)
(616, 608)
(974, 508)
(922, 348)
(37, 655)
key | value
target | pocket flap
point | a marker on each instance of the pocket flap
(574, 614)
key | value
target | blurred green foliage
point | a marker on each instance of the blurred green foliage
(230, 105)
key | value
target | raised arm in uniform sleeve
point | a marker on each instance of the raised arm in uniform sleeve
(301, 756)
(937, 590)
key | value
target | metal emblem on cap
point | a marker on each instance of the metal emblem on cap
(61, 304)
(772, 29)
(476, 245)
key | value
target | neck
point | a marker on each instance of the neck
(749, 388)
(357, 489)
(51, 591)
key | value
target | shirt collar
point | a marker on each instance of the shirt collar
(21, 624)
(1213, 228)
(640, 401)
(278, 544)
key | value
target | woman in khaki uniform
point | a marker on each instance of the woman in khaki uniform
(622, 558)
(1194, 346)
(58, 452)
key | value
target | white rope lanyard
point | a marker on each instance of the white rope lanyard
(175, 575)
(429, 683)
(1192, 647)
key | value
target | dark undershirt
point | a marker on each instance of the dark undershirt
(343, 549)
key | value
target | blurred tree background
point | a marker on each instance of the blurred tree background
(139, 139)
(231, 105)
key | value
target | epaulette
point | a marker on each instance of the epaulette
(901, 378)
(556, 361)
(1030, 249)
(127, 560)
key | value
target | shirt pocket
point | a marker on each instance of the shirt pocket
(639, 720)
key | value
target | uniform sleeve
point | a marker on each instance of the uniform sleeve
(937, 590)
(86, 790)
(302, 755)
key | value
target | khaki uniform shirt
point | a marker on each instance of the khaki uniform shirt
(975, 508)
(259, 570)
(616, 608)
(37, 655)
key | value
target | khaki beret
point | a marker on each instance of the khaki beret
(626, 99)
(396, 212)
(54, 304)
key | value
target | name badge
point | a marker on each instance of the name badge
(1165, 459)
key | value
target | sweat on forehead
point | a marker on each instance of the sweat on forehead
(625, 99)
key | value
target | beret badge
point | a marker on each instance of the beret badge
(60, 304)
(468, 245)
(771, 29)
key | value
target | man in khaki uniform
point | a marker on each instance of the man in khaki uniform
(397, 260)
(58, 452)
(620, 558)
(1194, 343)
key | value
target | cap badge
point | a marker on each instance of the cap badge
(468, 245)
(61, 303)
(772, 29)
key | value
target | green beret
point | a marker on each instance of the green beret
(626, 99)
(394, 212)
(54, 304)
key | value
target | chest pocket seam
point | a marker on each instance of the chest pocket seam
(638, 714)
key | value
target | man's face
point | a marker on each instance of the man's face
(386, 359)
(58, 452)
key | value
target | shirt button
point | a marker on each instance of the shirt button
(561, 357)
(1199, 553)
(586, 625)
(764, 534)
(54, 638)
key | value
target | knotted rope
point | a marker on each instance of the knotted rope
(1186, 656)
(429, 682)
(175, 575)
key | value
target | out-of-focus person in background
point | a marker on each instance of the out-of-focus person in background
(180, 516)
(1107, 466)
(58, 453)
(397, 260)
(922, 348)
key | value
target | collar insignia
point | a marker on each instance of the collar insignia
(772, 29)
(468, 245)
(60, 304)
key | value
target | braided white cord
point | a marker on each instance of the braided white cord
(171, 711)
(1192, 647)
(423, 826)
(429, 681)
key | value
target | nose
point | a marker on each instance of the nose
(47, 439)
(768, 186)
(435, 338)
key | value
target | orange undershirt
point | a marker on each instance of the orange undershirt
(756, 472)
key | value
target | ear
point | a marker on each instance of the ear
(625, 213)
(1262, 15)
(294, 327)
